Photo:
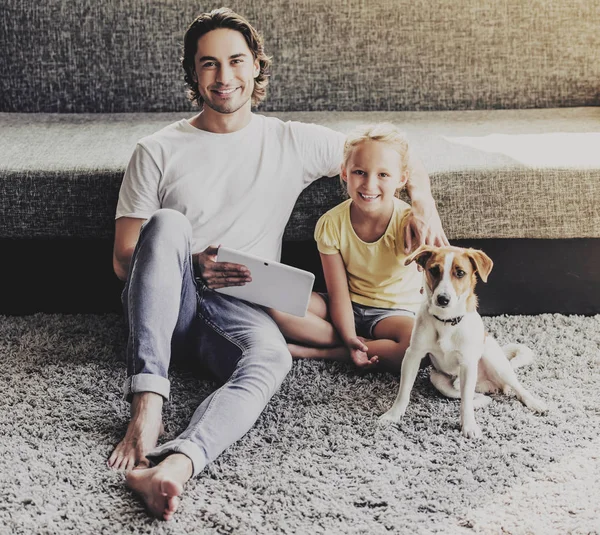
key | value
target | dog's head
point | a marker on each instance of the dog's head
(450, 277)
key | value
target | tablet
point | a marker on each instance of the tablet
(273, 284)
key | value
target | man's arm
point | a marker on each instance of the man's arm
(424, 225)
(219, 274)
(127, 232)
(215, 274)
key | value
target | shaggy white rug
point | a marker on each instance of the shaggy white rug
(316, 462)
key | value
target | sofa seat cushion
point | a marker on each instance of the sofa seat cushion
(495, 174)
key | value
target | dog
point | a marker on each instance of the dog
(467, 362)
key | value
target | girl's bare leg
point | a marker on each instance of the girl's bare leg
(315, 337)
(326, 353)
(392, 338)
(314, 329)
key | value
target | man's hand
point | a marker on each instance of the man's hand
(220, 274)
(423, 227)
(358, 353)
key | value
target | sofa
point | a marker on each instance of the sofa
(500, 100)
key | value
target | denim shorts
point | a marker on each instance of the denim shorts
(366, 317)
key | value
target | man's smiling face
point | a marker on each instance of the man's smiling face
(225, 70)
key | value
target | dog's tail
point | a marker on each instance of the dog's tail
(518, 354)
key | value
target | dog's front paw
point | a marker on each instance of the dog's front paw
(393, 416)
(536, 405)
(471, 430)
(480, 401)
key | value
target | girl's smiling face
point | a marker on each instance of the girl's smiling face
(373, 173)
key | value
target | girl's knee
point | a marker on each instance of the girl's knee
(278, 317)
(403, 345)
(318, 306)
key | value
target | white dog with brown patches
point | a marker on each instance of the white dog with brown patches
(467, 362)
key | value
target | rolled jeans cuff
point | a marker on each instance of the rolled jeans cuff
(146, 382)
(185, 447)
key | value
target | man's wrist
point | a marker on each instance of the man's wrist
(424, 206)
(196, 264)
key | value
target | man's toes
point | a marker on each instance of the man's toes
(121, 463)
(116, 456)
(171, 507)
(170, 488)
(129, 463)
(115, 461)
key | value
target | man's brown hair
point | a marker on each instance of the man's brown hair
(224, 18)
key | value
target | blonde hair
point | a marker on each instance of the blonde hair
(383, 132)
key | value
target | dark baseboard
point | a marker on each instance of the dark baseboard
(529, 276)
(58, 276)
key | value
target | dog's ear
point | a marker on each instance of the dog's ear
(420, 256)
(481, 262)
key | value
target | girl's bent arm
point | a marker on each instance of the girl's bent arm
(340, 306)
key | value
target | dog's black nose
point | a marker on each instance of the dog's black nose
(443, 300)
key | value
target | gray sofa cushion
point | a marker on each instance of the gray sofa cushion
(90, 56)
(495, 174)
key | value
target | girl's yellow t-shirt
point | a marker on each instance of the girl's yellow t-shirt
(377, 276)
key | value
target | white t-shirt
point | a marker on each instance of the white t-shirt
(237, 189)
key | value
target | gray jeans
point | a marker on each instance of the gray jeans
(171, 315)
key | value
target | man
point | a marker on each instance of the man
(226, 176)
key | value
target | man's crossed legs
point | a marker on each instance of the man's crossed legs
(171, 315)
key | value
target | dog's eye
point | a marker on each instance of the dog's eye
(434, 270)
(460, 273)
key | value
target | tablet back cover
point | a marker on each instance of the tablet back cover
(273, 285)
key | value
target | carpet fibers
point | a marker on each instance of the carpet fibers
(316, 461)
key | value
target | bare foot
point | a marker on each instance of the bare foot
(329, 353)
(161, 486)
(142, 433)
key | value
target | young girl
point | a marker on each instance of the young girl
(368, 313)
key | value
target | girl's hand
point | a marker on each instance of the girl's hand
(358, 353)
(219, 274)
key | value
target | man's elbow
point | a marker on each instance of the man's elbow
(120, 268)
